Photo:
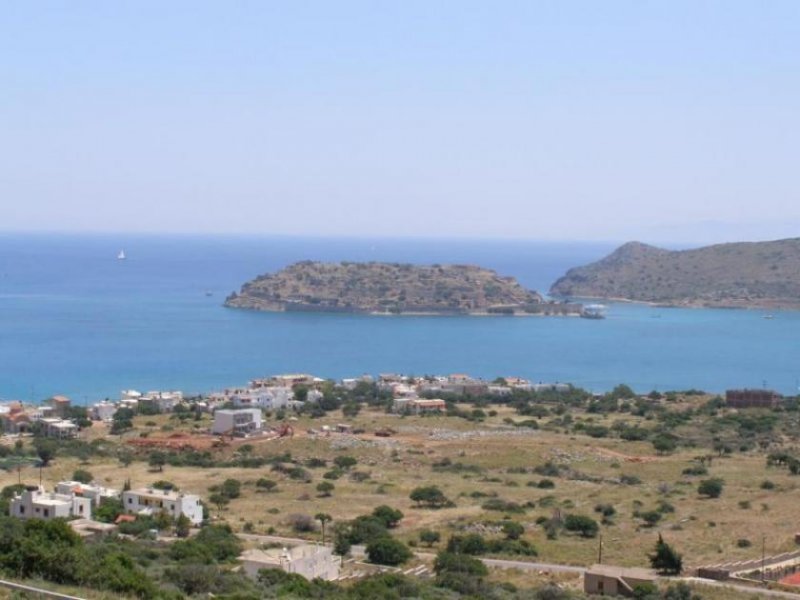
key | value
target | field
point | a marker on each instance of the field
(478, 462)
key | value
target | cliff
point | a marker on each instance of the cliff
(745, 274)
(385, 288)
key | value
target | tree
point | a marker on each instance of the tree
(388, 551)
(429, 495)
(231, 488)
(665, 559)
(429, 537)
(513, 530)
(711, 487)
(157, 460)
(341, 539)
(268, 485)
(651, 517)
(323, 518)
(460, 572)
(82, 476)
(390, 516)
(182, 526)
(219, 500)
(585, 526)
(345, 462)
(664, 444)
(46, 450)
(325, 488)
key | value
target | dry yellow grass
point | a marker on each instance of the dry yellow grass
(705, 531)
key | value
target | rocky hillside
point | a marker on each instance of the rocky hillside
(747, 274)
(384, 288)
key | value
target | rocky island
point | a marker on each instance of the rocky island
(735, 275)
(390, 288)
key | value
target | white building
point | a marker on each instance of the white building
(268, 398)
(58, 428)
(237, 422)
(95, 493)
(103, 411)
(35, 503)
(307, 560)
(150, 501)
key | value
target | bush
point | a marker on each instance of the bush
(388, 515)
(767, 485)
(82, 476)
(470, 543)
(430, 496)
(712, 488)
(743, 543)
(429, 537)
(387, 551)
(345, 462)
(502, 505)
(301, 523)
(513, 530)
(585, 526)
(695, 470)
(629, 480)
(325, 488)
(267, 485)
(546, 484)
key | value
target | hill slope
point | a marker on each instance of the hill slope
(746, 274)
(382, 287)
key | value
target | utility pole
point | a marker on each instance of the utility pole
(600, 551)
(763, 555)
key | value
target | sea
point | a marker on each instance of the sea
(76, 320)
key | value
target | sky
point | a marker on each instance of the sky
(669, 121)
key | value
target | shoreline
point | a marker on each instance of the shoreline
(692, 305)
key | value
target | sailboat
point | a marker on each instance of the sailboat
(121, 255)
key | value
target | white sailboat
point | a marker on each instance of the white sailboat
(121, 255)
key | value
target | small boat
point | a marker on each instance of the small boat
(121, 255)
(209, 293)
(769, 316)
(594, 311)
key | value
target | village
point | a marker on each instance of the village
(246, 422)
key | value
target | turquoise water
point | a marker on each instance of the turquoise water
(75, 320)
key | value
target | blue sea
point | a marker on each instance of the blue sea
(75, 320)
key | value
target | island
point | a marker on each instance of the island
(733, 275)
(393, 288)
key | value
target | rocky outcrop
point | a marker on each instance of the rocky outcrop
(386, 288)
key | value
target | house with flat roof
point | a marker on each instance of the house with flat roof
(95, 493)
(418, 406)
(151, 501)
(241, 422)
(309, 560)
(59, 429)
(608, 580)
(35, 503)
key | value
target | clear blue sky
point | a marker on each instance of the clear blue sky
(658, 121)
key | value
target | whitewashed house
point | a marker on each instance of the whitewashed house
(35, 503)
(95, 493)
(150, 501)
(58, 428)
(268, 398)
(103, 411)
(240, 422)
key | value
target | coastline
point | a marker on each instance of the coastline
(693, 304)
